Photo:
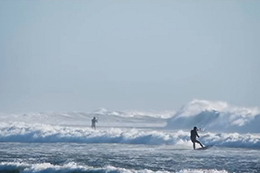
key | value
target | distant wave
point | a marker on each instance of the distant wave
(47, 134)
(213, 116)
(11, 167)
(131, 114)
(220, 124)
(105, 117)
(216, 116)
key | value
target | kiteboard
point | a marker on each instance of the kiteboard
(205, 147)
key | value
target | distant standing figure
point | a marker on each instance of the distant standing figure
(193, 135)
(93, 122)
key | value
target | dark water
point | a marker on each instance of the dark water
(76, 157)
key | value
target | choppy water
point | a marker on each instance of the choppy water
(132, 142)
(80, 157)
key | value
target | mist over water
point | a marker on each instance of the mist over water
(132, 141)
(129, 57)
(216, 117)
(219, 124)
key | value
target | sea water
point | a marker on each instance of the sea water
(81, 157)
(130, 142)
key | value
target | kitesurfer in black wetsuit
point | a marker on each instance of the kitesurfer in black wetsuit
(193, 135)
(93, 122)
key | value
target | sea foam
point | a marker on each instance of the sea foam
(220, 123)
(48, 133)
(216, 116)
(74, 167)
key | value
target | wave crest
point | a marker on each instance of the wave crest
(47, 134)
(10, 167)
(216, 116)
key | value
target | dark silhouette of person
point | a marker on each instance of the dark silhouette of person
(93, 122)
(193, 135)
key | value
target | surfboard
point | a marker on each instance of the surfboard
(205, 148)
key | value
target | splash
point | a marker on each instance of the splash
(22, 167)
(216, 116)
(49, 134)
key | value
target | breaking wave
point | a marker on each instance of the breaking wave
(48, 134)
(107, 118)
(11, 167)
(217, 117)
(211, 116)
(220, 124)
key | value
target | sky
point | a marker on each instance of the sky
(127, 55)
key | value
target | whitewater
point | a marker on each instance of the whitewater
(132, 141)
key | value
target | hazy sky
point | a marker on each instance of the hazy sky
(80, 55)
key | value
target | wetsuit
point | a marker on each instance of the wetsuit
(193, 135)
(94, 121)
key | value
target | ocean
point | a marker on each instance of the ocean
(132, 141)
